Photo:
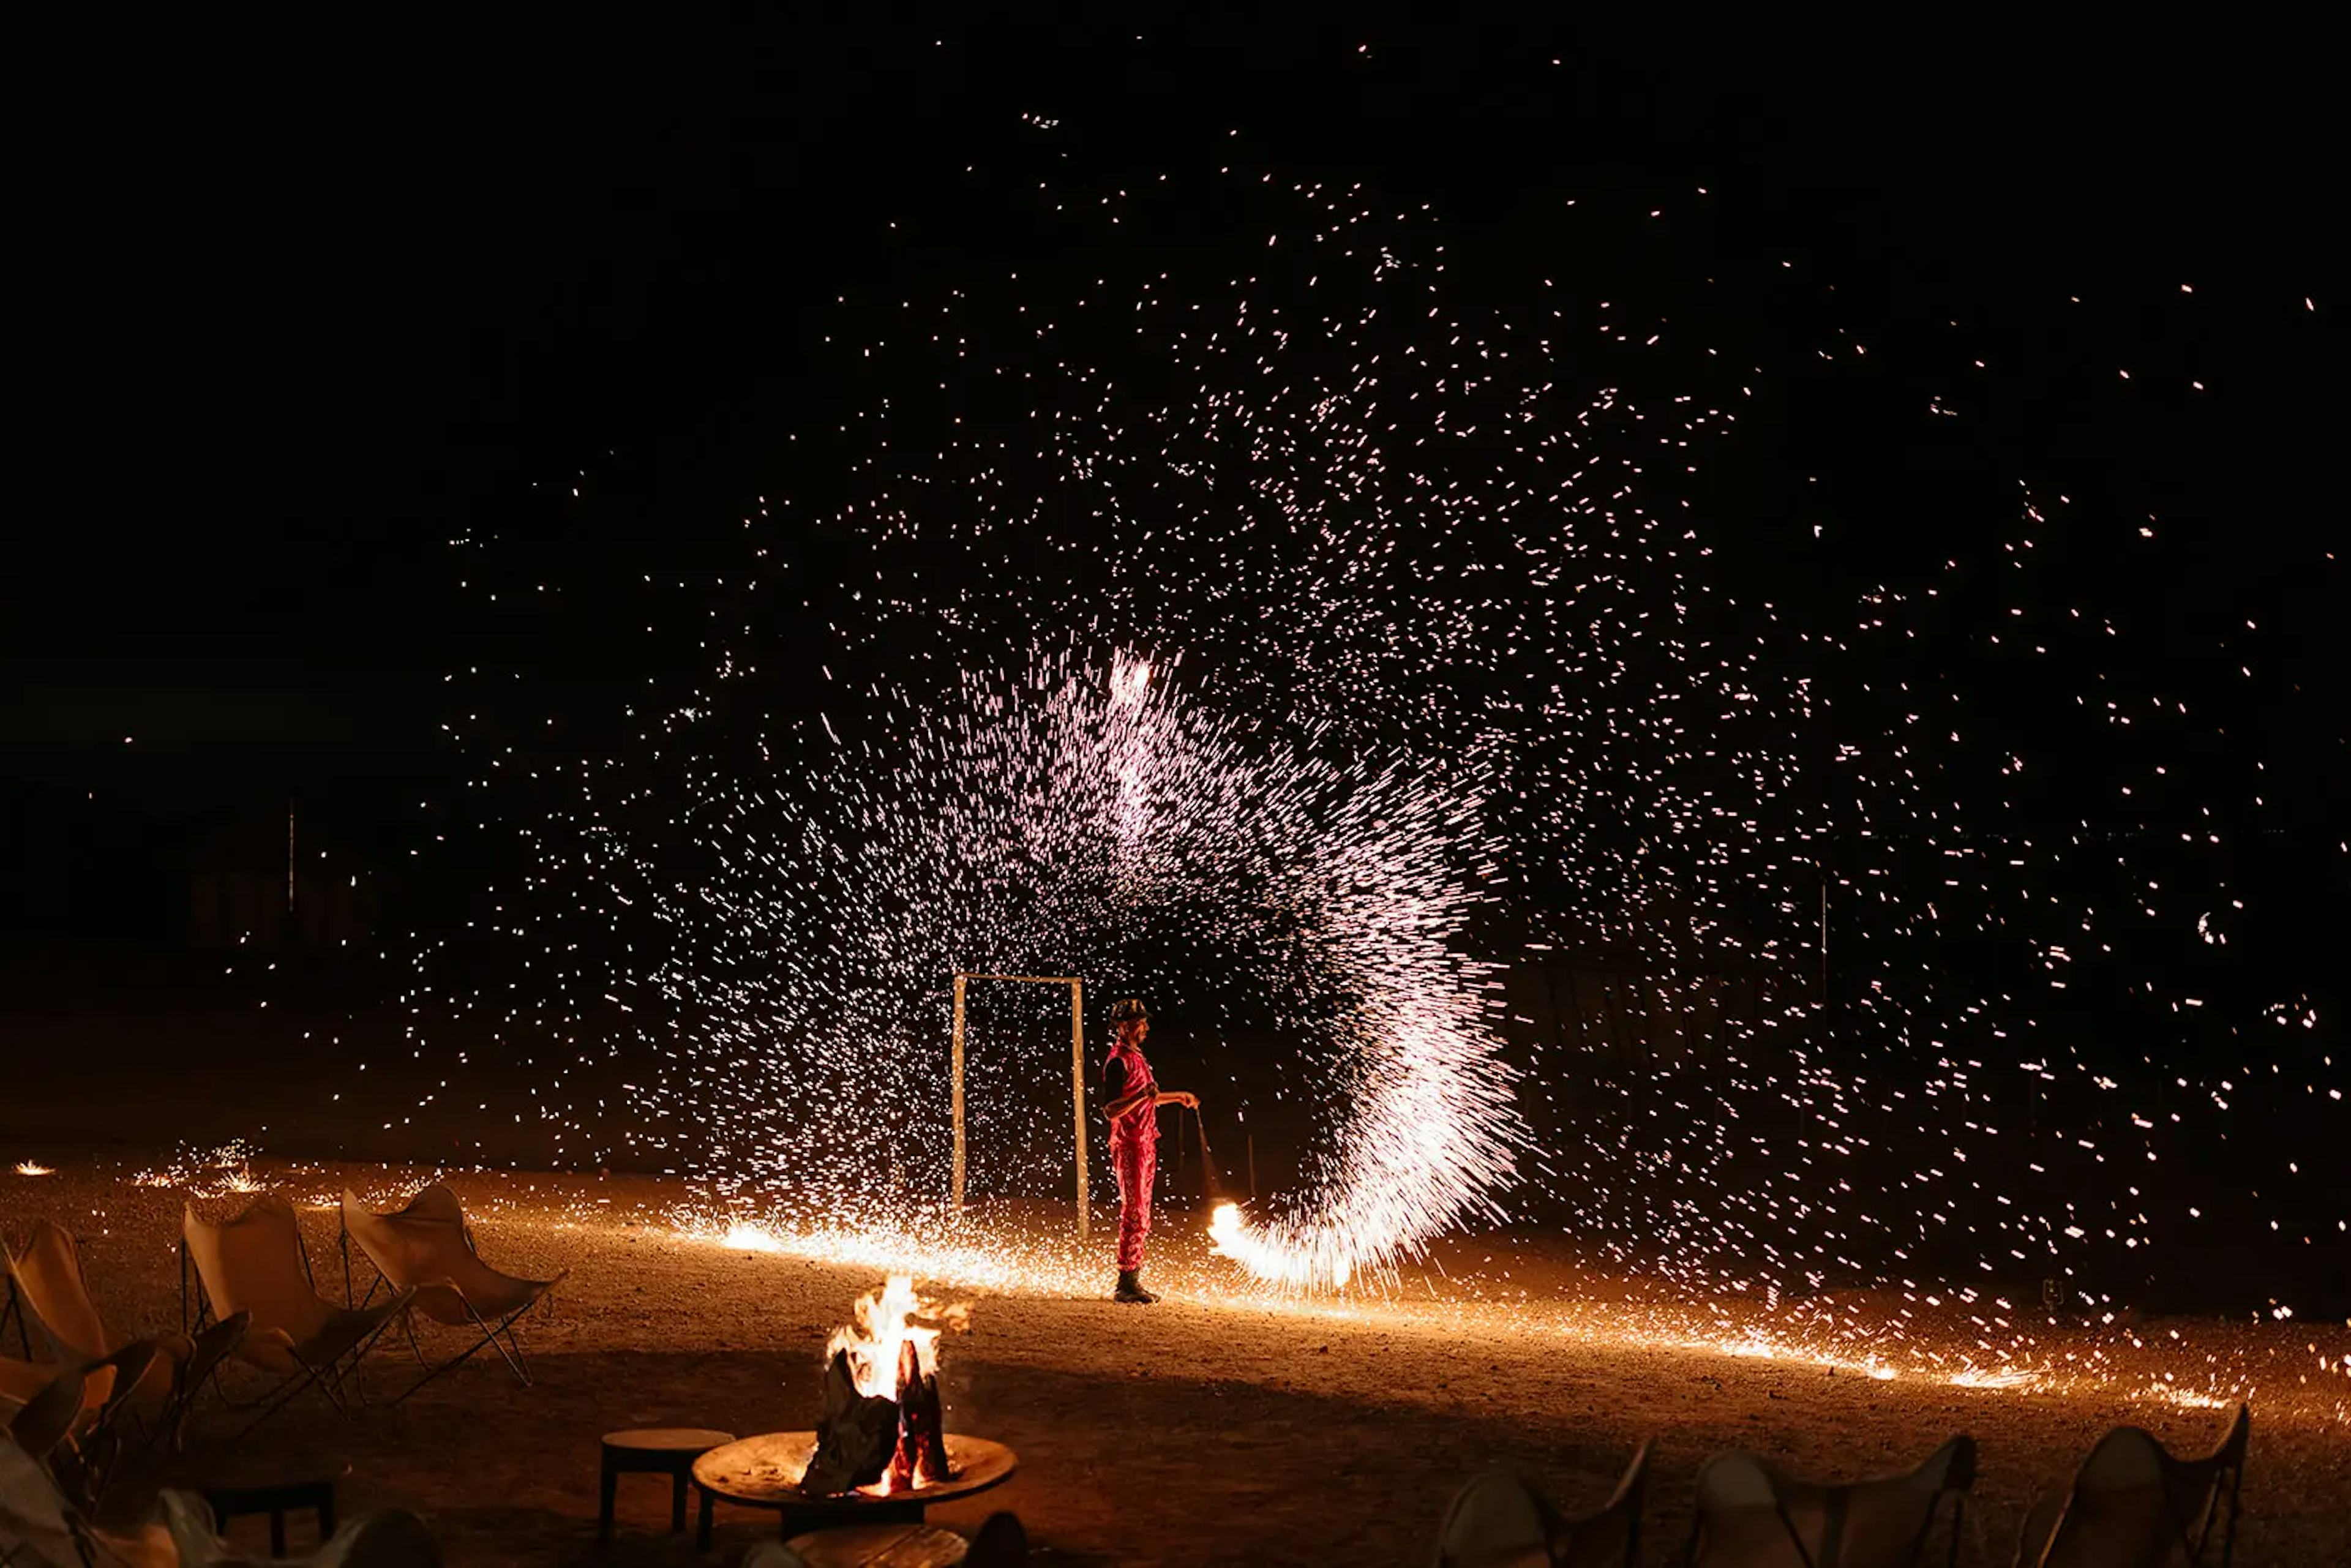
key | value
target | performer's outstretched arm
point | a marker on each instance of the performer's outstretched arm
(1120, 1106)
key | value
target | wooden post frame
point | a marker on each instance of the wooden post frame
(1077, 1074)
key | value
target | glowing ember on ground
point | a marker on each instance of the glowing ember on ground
(1877, 1340)
(747, 1238)
(33, 1169)
(1972, 1379)
(207, 1173)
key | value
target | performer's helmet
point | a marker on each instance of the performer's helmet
(1129, 1011)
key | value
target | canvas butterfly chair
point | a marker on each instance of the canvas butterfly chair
(1749, 1516)
(256, 1264)
(21, 1380)
(393, 1539)
(427, 1249)
(76, 1434)
(2134, 1505)
(46, 1278)
(1503, 1518)
(49, 1290)
(42, 1422)
(39, 1528)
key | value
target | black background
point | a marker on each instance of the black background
(300, 300)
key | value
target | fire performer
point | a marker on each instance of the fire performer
(1131, 1099)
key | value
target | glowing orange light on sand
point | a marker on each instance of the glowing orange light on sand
(744, 1236)
(1290, 1266)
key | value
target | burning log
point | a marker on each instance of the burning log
(884, 1429)
(922, 1426)
(858, 1438)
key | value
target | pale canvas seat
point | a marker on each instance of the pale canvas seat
(38, 1425)
(255, 1264)
(50, 1291)
(426, 1249)
(1504, 1520)
(2134, 1505)
(75, 1439)
(40, 1528)
(20, 1380)
(1749, 1516)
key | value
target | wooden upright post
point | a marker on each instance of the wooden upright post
(956, 1196)
(1077, 1088)
(1077, 1074)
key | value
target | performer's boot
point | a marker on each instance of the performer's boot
(1130, 1289)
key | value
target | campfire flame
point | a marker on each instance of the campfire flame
(887, 1319)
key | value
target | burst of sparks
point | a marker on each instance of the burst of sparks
(744, 1237)
(1299, 610)
(1031, 829)
(207, 1173)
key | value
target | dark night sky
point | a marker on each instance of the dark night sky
(300, 305)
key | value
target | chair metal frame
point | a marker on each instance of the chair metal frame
(1563, 1530)
(510, 1351)
(1630, 1494)
(328, 1377)
(1959, 1481)
(16, 1309)
(82, 1450)
(206, 1351)
(2225, 1468)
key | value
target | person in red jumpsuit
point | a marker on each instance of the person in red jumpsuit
(1131, 1099)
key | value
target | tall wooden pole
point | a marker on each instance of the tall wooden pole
(956, 1198)
(1077, 1078)
(1078, 1089)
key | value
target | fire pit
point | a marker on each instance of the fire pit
(765, 1471)
(881, 1453)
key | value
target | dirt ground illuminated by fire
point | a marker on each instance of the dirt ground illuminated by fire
(1217, 1427)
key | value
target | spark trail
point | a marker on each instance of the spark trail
(1042, 825)
(1469, 638)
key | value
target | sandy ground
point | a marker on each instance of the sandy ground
(1221, 1427)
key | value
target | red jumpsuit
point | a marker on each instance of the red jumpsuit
(1134, 1149)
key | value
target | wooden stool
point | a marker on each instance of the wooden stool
(662, 1450)
(881, 1546)
(239, 1484)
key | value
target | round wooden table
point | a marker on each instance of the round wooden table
(654, 1450)
(270, 1484)
(765, 1472)
(881, 1546)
